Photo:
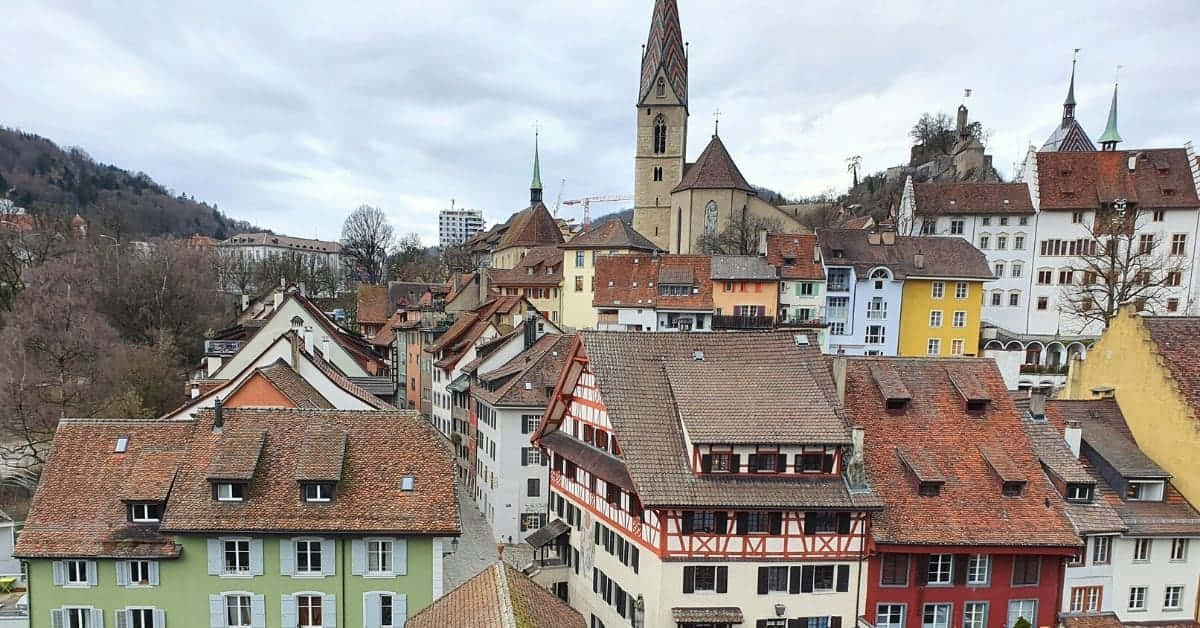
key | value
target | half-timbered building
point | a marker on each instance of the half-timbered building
(705, 480)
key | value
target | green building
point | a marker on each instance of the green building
(242, 517)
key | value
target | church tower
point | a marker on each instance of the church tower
(662, 117)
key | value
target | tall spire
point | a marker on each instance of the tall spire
(664, 50)
(1069, 103)
(535, 188)
(1109, 140)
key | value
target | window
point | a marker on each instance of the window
(876, 334)
(935, 318)
(1173, 598)
(533, 487)
(928, 227)
(230, 492)
(979, 569)
(1137, 598)
(77, 573)
(139, 618)
(837, 329)
(757, 522)
(1079, 493)
(658, 173)
(704, 578)
(1043, 303)
(660, 135)
(960, 319)
(807, 289)
(889, 616)
(777, 578)
(1179, 549)
(1023, 220)
(1017, 268)
(237, 610)
(1145, 243)
(816, 522)
(580, 257)
(1045, 277)
(1174, 278)
(957, 346)
(939, 289)
(1026, 570)
(838, 307)
(893, 570)
(960, 290)
(1014, 299)
(1159, 215)
(1076, 217)
(1086, 599)
(309, 610)
(1179, 244)
(956, 227)
(929, 489)
(940, 568)
(876, 309)
(318, 492)
(139, 572)
(986, 220)
(73, 617)
(145, 513)
(1101, 550)
(237, 556)
(975, 615)
(933, 347)
(997, 299)
(936, 616)
(984, 242)
(379, 557)
(1001, 243)
(1141, 550)
(721, 463)
(1144, 491)
(998, 269)
(308, 557)
(1022, 609)
(1019, 243)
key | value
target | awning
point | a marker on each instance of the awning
(714, 614)
(550, 532)
(460, 384)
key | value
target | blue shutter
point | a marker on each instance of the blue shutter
(154, 575)
(287, 610)
(256, 557)
(371, 615)
(216, 611)
(287, 557)
(122, 575)
(400, 557)
(122, 618)
(358, 557)
(328, 557)
(258, 607)
(329, 610)
(160, 618)
(92, 574)
(56, 617)
(399, 610)
(215, 559)
(97, 618)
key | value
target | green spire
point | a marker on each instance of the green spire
(1110, 138)
(537, 169)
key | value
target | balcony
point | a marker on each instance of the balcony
(743, 322)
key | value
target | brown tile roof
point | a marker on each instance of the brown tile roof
(533, 226)
(623, 271)
(746, 267)
(78, 509)
(498, 597)
(1173, 338)
(890, 384)
(792, 254)
(941, 199)
(387, 333)
(918, 462)
(610, 234)
(943, 257)
(538, 366)
(237, 455)
(859, 222)
(322, 454)
(632, 371)
(713, 169)
(372, 304)
(541, 266)
(288, 382)
(936, 430)
(1162, 178)
(967, 384)
(368, 498)
(1101, 620)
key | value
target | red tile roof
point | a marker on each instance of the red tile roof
(531, 227)
(610, 234)
(936, 431)
(617, 274)
(713, 169)
(792, 254)
(1162, 178)
(972, 198)
(1174, 341)
(541, 266)
(291, 385)
(498, 597)
(372, 304)
(528, 374)
(941, 257)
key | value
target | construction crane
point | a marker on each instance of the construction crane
(558, 201)
(588, 200)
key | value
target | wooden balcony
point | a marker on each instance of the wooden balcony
(743, 322)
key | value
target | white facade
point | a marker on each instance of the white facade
(1141, 589)
(801, 300)
(289, 315)
(863, 312)
(256, 247)
(441, 378)
(650, 319)
(512, 481)
(456, 226)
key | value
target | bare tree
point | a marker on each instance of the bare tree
(739, 237)
(410, 261)
(457, 259)
(366, 239)
(1116, 263)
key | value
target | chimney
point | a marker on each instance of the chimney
(278, 299)
(816, 253)
(919, 260)
(245, 301)
(858, 439)
(887, 235)
(1037, 405)
(483, 285)
(1074, 436)
(839, 377)
(218, 415)
(873, 237)
(530, 330)
(762, 242)
(296, 340)
(325, 347)
(303, 292)
(1103, 392)
(195, 390)
(308, 340)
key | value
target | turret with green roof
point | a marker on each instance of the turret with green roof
(1109, 140)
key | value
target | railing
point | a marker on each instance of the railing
(1038, 369)
(743, 322)
(801, 322)
(222, 347)
(837, 287)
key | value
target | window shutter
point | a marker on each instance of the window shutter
(634, 557)
(843, 578)
(843, 523)
(775, 522)
(329, 610)
(154, 573)
(810, 522)
(795, 623)
(743, 523)
(97, 618)
(721, 522)
(358, 556)
(794, 580)
(923, 569)
(400, 608)
(807, 575)
(960, 569)
(56, 618)
(596, 530)
(214, 559)
(722, 579)
(781, 463)
(524, 456)
(524, 425)
(122, 572)
(835, 621)
(689, 579)
(287, 610)
(735, 463)
(761, 623)
(400, 556)
(92, 573)
(371, 610)
(160, 618)
(685, 526)
(122, 618)
(328, 557)
(827, 464)
(216, 611)
(706, 463)
(256, 557)
(287, 557)
(545, 461)
(762, 580)
(59, 570)
(258, 610)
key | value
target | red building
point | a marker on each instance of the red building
(972, 534)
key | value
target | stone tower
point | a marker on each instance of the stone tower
(662, 117)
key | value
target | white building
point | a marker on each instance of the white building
(256, 247)
(456, 226)
(649, 292)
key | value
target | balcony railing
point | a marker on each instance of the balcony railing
(837, 286)
(743, 322)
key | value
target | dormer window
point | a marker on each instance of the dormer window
(229, 491)
(810, 462)
(148, 512)
(977, 406)
(318, 492)
(1012, 489)
(896, 405)
(1079, 492)
(929, 489)
(1144, 491)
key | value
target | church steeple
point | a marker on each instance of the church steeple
(1109, 140)
(535, 188)
(1069, 103)
(664, 51)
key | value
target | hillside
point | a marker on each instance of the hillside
(52, 180)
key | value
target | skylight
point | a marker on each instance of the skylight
(122, 444)
(406, 483)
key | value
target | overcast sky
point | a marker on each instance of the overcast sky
(291, 117)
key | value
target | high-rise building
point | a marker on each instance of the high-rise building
(456, 226)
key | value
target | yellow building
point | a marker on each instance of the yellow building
(612, 237)
(940, 316)
(537, 276)
(1151, 364)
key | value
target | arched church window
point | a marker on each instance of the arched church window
(710, 218)
(662, 87)
(658, 173)
(660, 134)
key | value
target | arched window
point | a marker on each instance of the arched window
(662, 87)
(658, 174)
(660, 135)
(879, 277)
(710, 218)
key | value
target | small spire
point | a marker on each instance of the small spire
(1109, 140)
(1069, 103)
(535, 187)
(716, 121)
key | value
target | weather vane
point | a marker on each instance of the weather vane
(716, 120)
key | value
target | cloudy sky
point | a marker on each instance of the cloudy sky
(292, 116)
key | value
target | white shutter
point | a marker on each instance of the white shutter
(371, 618)
(400, 557)
(122, 575)
(92, 571)
(123, 618)
(216, 611)
(97, 618)
(328, 557)
(287, 557)
(160, 618)
(256, 557)
(59, 569)
(329, 610)
(216, 559)
(154, 577)
(287, 610)
(258, 608)
(358, 557)
(56, 617)
(399, 610)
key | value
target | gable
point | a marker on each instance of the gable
(279, 324)
(258, 392)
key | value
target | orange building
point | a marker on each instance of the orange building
(745, 292)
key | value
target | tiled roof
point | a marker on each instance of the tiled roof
(322, 454)
(273, 239)
(792, 254)
(943, 257)
(407, 293)
(748, 267)
(935, 430)
(713, 169)
(498, 597)
(610, 234)
(1105, 431)
(372, 304)
(531, 227)
(532, 269)
(236, 455)
(458, 339)
(632, 371)
(368, 498)
(859, 222)
(360, 350)
(1162, 178)
(78, 509)
(665, 50)
(528, 374)
(624, 271)
(1101, 620)
(1069, 137)
(972, 198)
(297, 389)
(1173, 338)
(602, 464)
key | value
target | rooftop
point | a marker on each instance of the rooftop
(1160, 178)
(610, 234)
(632, 281)
(792, 254)
(743, 267)
(972, 198)
(713, 169)
(498, 597)
(915, 256)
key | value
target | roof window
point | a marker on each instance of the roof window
(122, 444)
(229, 491)
(1012, 489)
(1145, 491)
(1079, 493)
(929, 489)
(317, 492)
(406, 483)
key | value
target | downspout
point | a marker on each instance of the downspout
(341, 609)
(862, 547)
